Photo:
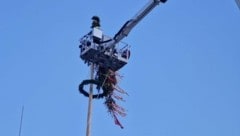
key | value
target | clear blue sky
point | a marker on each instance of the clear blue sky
(183, 77)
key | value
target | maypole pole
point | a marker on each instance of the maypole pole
(101, 51)
(89, 114)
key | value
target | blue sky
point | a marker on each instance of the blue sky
(183, 77)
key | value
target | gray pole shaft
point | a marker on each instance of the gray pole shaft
(89, 115)
(20, 129)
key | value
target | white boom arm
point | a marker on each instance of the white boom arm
(128, 26)
(238, 3)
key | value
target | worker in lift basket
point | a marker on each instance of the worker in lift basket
(95, 21)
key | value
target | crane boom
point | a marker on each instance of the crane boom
(238, 3)
(128, 26)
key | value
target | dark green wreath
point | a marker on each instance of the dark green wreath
(91, 81)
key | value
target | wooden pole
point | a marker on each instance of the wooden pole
(89, 115)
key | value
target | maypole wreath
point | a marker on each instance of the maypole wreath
(106, 80)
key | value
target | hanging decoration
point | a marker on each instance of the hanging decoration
(106, 85)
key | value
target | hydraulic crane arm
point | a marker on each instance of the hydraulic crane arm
(128, 26)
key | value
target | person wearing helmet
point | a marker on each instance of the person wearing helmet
(95, 21)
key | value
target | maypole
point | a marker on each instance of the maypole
(89, 114)
(108, 55)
